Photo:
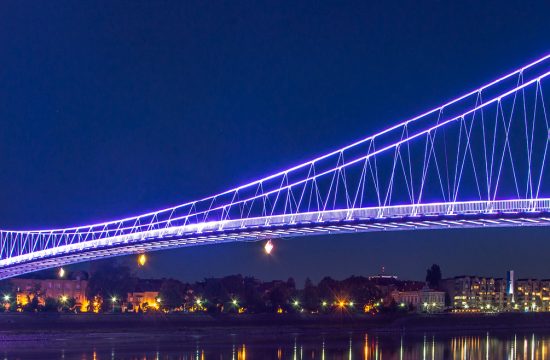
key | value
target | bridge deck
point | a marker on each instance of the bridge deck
(474, 214)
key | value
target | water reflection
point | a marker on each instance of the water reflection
(308, 345)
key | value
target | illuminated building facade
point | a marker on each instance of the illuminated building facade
(532, 295)
(424, 300)
(475, 293)
(72, 287)
(143, 300)
(144, 296)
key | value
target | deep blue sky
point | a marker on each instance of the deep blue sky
(109, 109)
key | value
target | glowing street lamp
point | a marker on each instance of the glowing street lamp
(324, 303)
(235, 302)
(142, 260)
(61, 273)
(268, 247)
(6, 298)
(63, 299)
(296, 303)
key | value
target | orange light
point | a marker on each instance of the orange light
(268, 247)
(142, 259)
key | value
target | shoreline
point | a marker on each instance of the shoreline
(25, 323)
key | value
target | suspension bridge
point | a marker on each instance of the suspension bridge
(476, 161)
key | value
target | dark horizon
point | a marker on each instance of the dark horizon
(121, 108)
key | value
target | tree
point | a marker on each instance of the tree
(278, 297)
(252, 298)
(311, 296)
(327, 288)
(7, 296)
(68, 304)
(215, 292)
(361, 290)
(172, 294)
(291, 284)
(110, 280)
(33, 299)
(51, 304)
(433, 276)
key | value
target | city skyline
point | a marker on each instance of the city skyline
(108, 140)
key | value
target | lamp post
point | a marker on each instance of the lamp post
(113, 301)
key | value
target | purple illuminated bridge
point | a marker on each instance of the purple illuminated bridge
(476, 161)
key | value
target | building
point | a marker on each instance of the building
(144, 296)
(532, 295)
(424, 300)
(74, 286)
(475, 293)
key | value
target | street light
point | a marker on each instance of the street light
(63, 299)
(268, 247)
(142, 259)
(6, 298)
(235, 302)
(114, 300)
(61, 273)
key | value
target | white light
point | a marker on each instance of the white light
(268, 247)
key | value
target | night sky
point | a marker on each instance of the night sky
(110, 109)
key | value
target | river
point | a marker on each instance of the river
(264, 344)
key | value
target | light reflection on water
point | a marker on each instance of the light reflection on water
(309, 345)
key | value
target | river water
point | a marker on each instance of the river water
(265, 344)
